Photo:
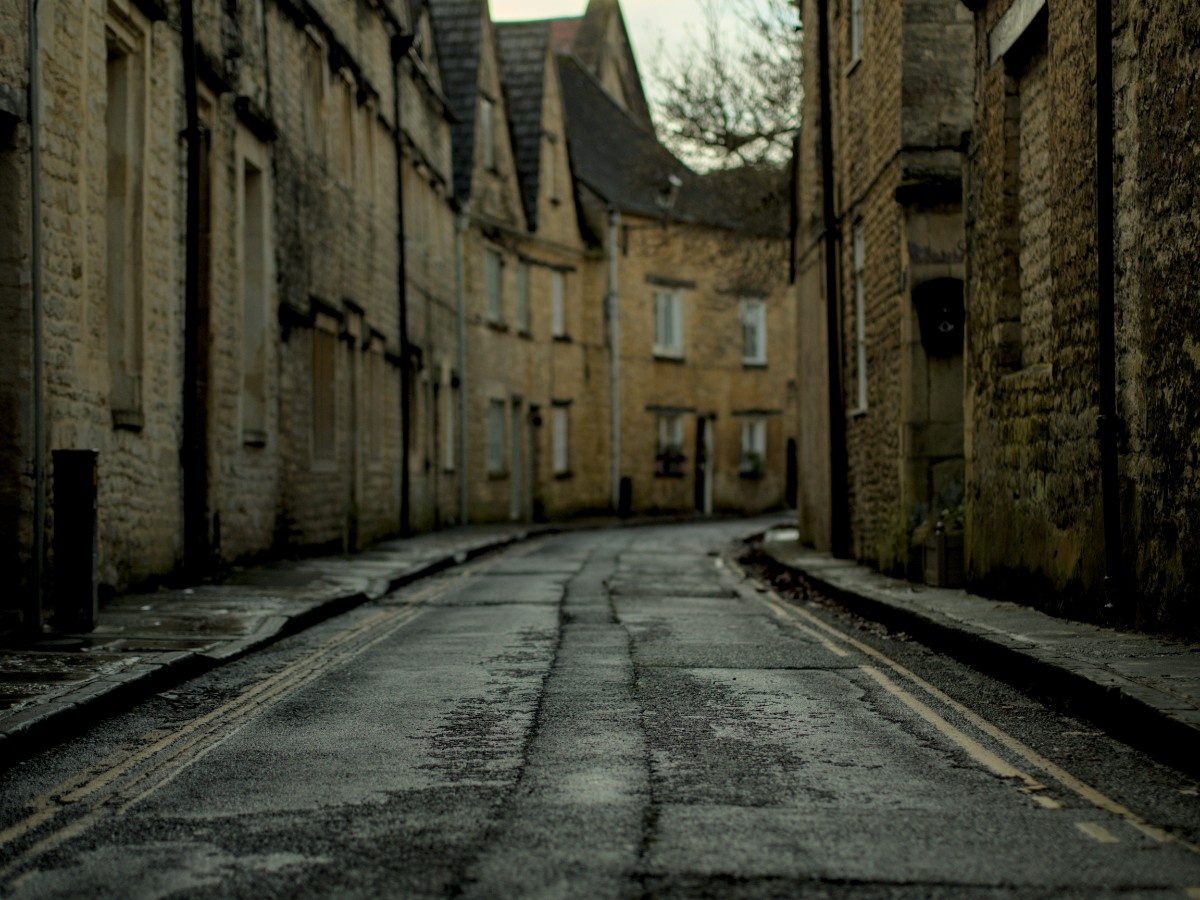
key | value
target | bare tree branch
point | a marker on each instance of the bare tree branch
(732, 96)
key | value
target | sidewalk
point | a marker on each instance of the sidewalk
(147, 642)
(1144, 688)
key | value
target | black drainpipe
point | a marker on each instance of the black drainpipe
(1107, 422)
(839, 513)
(400, 46)
(195, 368)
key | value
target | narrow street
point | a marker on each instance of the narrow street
(613, 713)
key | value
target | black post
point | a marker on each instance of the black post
(76, 541)
(839, 513)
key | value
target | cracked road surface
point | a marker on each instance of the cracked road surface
(606, 714)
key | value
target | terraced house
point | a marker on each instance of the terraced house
(296, 275)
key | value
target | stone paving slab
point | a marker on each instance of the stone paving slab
(1146, 687)
(147, 642)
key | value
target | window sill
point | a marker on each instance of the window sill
(562, 338)
(752, 476)
(498, 476)
(448, 470)
(128, 419)
(754, 363)
(668, 474)
(525, 333)
(668, 356)
(564, 476)
(254, 437)
(497, 326)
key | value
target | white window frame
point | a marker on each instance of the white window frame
(754, 332)
(497, 448)
(493, 280)
(856, 30)
(524, 286)
(860, 318)
(752, 462)
(668, 324)
(558, 304)
(561, 428)
(449, 415)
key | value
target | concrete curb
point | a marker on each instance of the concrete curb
(1141, 715)
(44, 724)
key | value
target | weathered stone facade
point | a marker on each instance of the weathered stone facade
(1035, 522)
(900, 103)
(398, 319)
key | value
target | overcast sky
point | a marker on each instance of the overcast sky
(651, 23)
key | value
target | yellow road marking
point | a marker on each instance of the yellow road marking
(1012, 744)
(1046, 802)
(169, 752)
(1097, 832)
(782, 612)
(974, 749)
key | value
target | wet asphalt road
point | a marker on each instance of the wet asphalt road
(602, 714)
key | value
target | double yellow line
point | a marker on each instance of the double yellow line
(836, 641)
(126, 777)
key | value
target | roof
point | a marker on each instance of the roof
(616, 158)
(458, 30)
(590, 43)
(523, 47)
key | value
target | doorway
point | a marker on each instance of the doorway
(703, 457)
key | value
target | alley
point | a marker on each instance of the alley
(608, 713)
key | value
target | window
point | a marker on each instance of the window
(493, 271)
(449, 412)
(754, 332)
(752, 463)
(125, 126)
(668, 454)
(346, 111)
(552, 167)
(487, 131)
(324, 389)
(256, 281)
(314, 91)
(558, 312)
(562, 460)
(523, 297)
(377, 398)
(856, 30)
(495, 437)
(860, 318)
(668, 323)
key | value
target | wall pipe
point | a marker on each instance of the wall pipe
(195, 387)
(839, 513)
(36, 603)
(614, 325)
(1107, 421)
(401, 43)
(460, 226)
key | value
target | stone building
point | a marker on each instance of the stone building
(327, 272)
(699, 308)
(1047, 338)
(430, 299)
(520, 259)
(899, 97)
(254, 406)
